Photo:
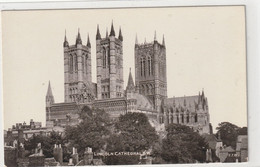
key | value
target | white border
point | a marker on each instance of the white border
(253, 69)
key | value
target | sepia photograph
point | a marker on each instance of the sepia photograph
(124, 86)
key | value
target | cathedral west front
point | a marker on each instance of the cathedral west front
(148, 94)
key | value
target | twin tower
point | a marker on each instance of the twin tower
(150, 68)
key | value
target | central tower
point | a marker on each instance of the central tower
(150, 71)
(109, 51)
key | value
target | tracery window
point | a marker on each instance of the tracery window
(147, 89)
(188, 119)
(86, 63)
(143, 89)
(71, 63)
(144, 67)
(149, 65)
(76, 63)
(104, 58)
(83, 63)
(141, 66)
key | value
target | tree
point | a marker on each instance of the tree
(133, 133)
(137, 132)
(228, 133)
(92, 131)
(242, 131)
(183, 145)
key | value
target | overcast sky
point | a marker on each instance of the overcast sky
(205, 49)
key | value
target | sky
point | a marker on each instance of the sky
(205, 49)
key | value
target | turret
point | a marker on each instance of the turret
(120, 36)
(65, 43)
(184, 101)
(106, 33)
(155, 39)
(78, 40)
(202, 94)
(112, 66)
(88, 42)
(136, 40)
(199, 98)
(49, 96)
(163, 42)
(130, 85)
(112, 31)
(98, 36)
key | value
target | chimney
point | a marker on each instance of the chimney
(58, 153)
(88, 156)
(75, 156)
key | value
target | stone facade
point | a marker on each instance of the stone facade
(150, 71)
(187, 110)
(242, 147)
(77, 69)
(109, 55)
(21, 132)
(147, 95)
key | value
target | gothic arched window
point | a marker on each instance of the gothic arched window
(71, 63)
(83, 62)
(147, 89)
(76, 63)
(188, 119)
(149, 65)
(108, 58)
(196, 118)
(86, 63)
(144, 66)
(104, 58)
(143, 89)
(152, 89)
(141, 66)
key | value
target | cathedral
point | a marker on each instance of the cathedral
(148, 94)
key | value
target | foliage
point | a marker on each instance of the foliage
(229, 133)
(92, 131)
(133, 134)
(183, 145)
(242, 131)
(136, 131)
